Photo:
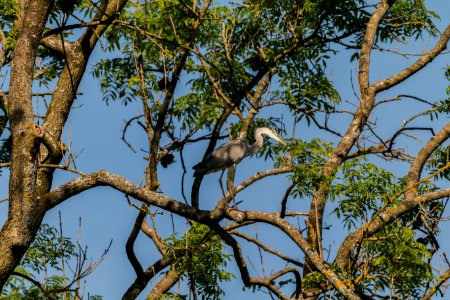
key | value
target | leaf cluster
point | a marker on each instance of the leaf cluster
(308, 159)
(440, 160)
(408, 19)
(394, 262)
(200, 256)
(362, 188)
(8, 15)
(44, 257)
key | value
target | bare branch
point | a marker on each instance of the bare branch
(104, 178)
(242, 265)
(151, 233)
(129, 246)
(223, 203)
(285, 198)
(366, 47)
(3, 42)
(124, 131)
(62, 167)
(5, 165)
(425, 59)
(141, 281)
(423, 155)
(164, 285)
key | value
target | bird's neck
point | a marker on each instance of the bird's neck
(255, 146)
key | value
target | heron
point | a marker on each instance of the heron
(232, 152)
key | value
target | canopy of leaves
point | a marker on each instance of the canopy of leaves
(234, 48)
(200, 256)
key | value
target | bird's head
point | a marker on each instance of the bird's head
(270, 133)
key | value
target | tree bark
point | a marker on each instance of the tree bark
(26, 210)
(28, 182)
(367, 100)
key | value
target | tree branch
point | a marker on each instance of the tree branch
(300, 241)
(423, 155)
(151, 233)
(354, 130)
(242, 264)
(384, 217)
(366, 47)
(223, 203)
(129, 246)
(164, 285)
(266, 248)
(142, 280)
(104, 178)
(425, 59)
(435, 288)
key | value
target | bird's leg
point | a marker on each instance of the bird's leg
(230, 184)
(220, 183)
(229, 188)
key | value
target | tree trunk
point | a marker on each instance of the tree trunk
(26, 211)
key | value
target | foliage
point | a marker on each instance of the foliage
(440, 160)
(47, 254)
(363, 189)
(308, 159)
(222, 65)
(200, 256)
(394, 261)
(8, 14)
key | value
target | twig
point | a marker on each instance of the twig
(266, 248)
(67, 168)
(124, 131)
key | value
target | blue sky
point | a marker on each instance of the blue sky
(95, 130)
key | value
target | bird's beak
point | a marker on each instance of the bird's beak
(280, 140)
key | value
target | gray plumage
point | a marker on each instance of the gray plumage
(233, 152)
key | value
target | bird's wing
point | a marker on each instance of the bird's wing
(232, 150)
(223, 157)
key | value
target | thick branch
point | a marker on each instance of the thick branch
(386, 216)
(424, 154)
(77, 54)
(360, 118)
(129, 246)
(104, 178)
(25, 212)
(164, 285)
(425, 59)
(366, 47)
(298, 238)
